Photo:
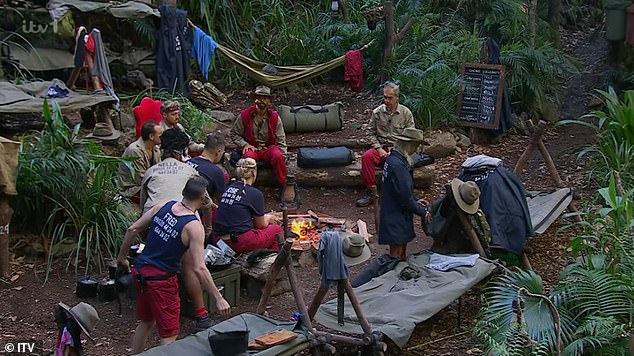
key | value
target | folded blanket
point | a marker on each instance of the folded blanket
(444, 263)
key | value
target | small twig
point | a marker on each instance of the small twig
(4, 281)
(435, 341)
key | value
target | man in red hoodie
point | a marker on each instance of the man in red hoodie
(259, 133)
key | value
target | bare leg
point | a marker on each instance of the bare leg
(140, 336)
(168, 340)
(399, 251)
(192, 284)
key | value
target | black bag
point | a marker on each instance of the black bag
(324, 157)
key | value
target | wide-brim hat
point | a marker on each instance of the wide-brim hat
(262, 90)
(84, 315)
(104, 132)
(355, 249)
(467, 195)
(410, 134)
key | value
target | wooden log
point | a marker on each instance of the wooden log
(528, 153)
(5, 219)
(339, 177)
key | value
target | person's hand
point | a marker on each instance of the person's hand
(423, 202)
(382, 153)
(272, 218)
(124, 265)
(247, 147)
(427, 216)
(223, 307)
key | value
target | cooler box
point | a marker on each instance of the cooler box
(228, 279)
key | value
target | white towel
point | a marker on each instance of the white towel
(444, 263)
(480, 161)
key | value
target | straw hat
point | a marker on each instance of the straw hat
(104, 132)
(355, 249)
(85, 315)
(262, 90)
(410, 134)
(467, 195)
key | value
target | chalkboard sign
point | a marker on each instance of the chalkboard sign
(481, 95)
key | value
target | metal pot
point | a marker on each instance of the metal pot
(107, 290)
(87, 287)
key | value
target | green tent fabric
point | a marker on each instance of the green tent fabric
(286, 75)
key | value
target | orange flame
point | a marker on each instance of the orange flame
(305, 230)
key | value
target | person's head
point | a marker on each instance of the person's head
(151, 132)
(263, 98)
(247, 170)
(194, 192)
(391, 93)
(407, 142)
(215, 147)
(173, 144)
(169, 110)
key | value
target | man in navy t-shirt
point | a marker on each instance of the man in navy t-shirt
(205, 165)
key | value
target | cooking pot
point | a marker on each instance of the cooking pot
(107, 290)
(86, 287)
(112, 269)
(230, 343)
(124, 284)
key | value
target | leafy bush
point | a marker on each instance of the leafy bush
(615, 132)
(67, 191)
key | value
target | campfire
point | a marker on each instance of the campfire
(305, 231)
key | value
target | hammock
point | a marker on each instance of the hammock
(286, 75)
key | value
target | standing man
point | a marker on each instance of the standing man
(259, 133)
(174, 230)
(170, 111)
(147, 152)
(387, 121)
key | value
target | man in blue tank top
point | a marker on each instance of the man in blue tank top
(174, 228)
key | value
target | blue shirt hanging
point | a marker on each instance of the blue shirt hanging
(203, 50)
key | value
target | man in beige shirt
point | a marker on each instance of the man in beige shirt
(170, 109)
(259, 133)
(147, 152)
(387, 121)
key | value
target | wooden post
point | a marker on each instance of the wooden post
(365, 325)
(388, 11)
(375, 204)
(280, 261)
(528, 153)
(317, 299)
(5, 219)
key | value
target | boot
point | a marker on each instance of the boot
(204, 323)
(366, 200)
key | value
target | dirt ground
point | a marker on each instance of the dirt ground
(26, 305)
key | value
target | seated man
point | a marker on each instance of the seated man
(147, 152)
(387, 121)
(241, 220)
(174, 232)
(259, 133)
(170, 111)
(206, 166)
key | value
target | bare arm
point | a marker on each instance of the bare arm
(139, 226)
(194, 233)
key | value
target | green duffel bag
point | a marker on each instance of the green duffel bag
(307, 118)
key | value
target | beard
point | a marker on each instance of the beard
(260, 105)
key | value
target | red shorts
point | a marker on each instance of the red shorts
(158, 300)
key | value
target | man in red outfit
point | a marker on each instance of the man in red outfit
(387, 121)
(259, 133)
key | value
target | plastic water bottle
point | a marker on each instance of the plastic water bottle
(295, 316)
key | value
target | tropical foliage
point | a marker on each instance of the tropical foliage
(66, 191)
(594, 300)
(615, 132)
(427, 61)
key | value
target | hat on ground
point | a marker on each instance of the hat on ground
(262, 90)
(104, 132)
(85, 315)
(355, 249)
(410, 134)
(467, 195)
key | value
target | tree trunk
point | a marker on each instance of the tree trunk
(554, 18)
(339, 177)
(388, 11)
(532, 22)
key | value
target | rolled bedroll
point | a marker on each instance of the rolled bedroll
(310, 118)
